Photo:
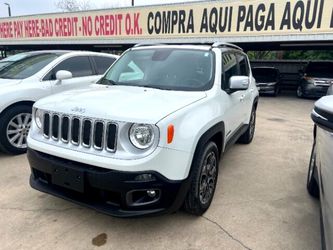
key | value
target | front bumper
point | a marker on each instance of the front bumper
(311, 90)
(112, 192)
(266, 89)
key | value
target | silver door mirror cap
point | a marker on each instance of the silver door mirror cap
(239, 83)
(63, 75)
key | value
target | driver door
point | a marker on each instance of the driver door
(82, 74)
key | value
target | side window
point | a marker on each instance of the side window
(79, 66)
(230, 68)
(244, 69)
(103, 63)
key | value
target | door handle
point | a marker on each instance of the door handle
(251, 90)
(242, 98)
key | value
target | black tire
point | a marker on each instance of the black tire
(247, 137)
(5, 118)
(200, 194)
(299, 92)
(276, 91)
(312, 184)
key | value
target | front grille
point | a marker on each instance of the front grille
(323, 82)
(88, 132)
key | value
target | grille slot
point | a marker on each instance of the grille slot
(88, 132)
(75, 131)
(99, 135)
(65, 129)
(46, 125)
(55, 127)
(111, 137)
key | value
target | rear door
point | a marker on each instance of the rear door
(81, 69)
(247, 95)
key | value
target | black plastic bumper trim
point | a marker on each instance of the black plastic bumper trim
(100, 182)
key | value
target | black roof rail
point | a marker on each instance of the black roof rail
(227, 45)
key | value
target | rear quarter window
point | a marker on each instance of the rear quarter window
(103, 63)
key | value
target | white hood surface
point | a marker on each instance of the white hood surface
(120, 103)
(8, 82)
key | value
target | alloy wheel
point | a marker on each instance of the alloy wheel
(208, 178)
(18, 129)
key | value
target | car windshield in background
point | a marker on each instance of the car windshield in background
(265, 75)
(11, 59)
(320, 69)
(27, 66)
(4, 64)
(15, 58)
(171, 69)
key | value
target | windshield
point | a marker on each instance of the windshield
(320, 69)
(27, 66)
(15, 58)
(4, 64)
(265, 75)
(167, 68)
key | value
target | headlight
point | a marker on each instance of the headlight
(309, 80)
(142, 135)
(38, 118)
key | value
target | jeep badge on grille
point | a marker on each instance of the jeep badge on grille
(78, 110)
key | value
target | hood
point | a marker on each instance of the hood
(120, 103)
(9, 82)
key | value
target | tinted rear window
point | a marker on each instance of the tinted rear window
(320, 69)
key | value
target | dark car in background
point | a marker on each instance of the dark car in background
(268, 80)
(315, 80)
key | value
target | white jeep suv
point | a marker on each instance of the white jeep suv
(38, 74)
(147, 138)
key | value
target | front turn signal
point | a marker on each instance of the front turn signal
(171, 133)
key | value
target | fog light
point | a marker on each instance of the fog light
(151, 193)
(145, 177)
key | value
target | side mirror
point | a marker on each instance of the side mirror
(321, 113)
(237, 83)
(63, 75)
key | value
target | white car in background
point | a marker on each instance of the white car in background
(37, 75)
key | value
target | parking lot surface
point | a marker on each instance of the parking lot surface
(260, 202)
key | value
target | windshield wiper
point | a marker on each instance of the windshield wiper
(155, 87)
(104, 81)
